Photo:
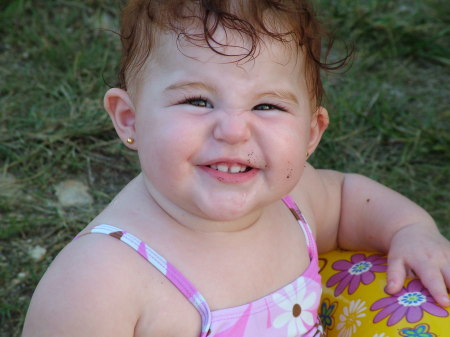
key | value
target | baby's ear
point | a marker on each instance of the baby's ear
(122, 113)
(319, 124)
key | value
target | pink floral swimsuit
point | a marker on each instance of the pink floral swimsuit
(289, 311)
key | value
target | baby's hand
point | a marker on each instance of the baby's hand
(419, 250)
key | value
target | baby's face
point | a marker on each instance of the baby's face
(219, 139)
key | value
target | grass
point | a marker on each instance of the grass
(389, 112)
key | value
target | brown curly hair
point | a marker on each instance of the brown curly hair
(281, 20)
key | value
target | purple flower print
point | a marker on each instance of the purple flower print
(410, 302)
(359, 269)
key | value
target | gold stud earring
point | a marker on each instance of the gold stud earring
(307, 154)
(130, 140)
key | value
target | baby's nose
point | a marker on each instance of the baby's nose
(232, 128)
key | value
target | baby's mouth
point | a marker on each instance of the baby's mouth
(233, 168)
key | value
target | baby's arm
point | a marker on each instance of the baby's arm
(373, 216)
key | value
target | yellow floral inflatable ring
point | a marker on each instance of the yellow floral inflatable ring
(354, 303)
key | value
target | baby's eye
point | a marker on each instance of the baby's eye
(199, 102)
(267, 107)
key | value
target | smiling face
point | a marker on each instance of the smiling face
(217, 139)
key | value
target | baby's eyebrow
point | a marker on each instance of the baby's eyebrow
(183, 85)
(285, 95)
(282, 94)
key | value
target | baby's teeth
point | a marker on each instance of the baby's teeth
(229, 169)
(222, 168)
(235, 169)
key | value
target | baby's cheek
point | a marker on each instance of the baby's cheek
(290, 171)
(294, 170)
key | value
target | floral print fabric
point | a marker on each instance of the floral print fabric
(360, 269)
(298, 318)
(410, 303)
(290, 311)
(354, 303)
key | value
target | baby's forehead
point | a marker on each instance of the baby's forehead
(171, 50)
(224, 47)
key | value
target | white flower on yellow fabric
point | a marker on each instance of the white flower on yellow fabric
(297, 306)
(380, 335)
(349, 320)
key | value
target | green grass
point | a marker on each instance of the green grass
(389, 113)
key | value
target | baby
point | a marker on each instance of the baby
(221, 100)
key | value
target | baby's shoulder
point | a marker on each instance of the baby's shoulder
(317, 186)
(92, 286)
(97, 261)
(322, 178)
(319, 195)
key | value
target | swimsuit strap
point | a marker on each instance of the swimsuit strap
(167, 269)
(310, 241)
